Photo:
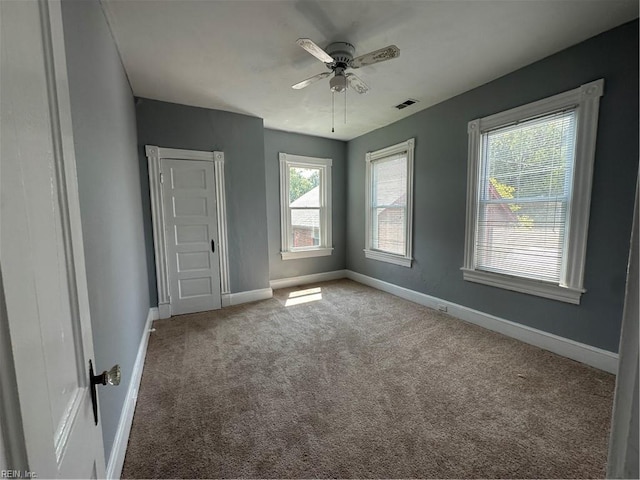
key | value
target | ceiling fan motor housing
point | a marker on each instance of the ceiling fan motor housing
(342, 53)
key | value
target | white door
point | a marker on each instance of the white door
(41, 250)
(190, 219)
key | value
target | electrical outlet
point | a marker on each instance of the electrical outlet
(442, 308)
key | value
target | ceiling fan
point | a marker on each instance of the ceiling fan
(338, 57)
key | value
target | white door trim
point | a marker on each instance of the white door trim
(155, 155)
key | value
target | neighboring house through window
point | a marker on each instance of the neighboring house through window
(389, 190)
(305, 206)
(529, 190)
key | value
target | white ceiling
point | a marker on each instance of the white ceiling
(241, 56)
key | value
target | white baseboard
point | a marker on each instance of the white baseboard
(119, 449)
(229, 299)
(595, 357)
(307, 279)
(164, 310)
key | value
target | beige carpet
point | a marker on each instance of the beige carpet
(357, 383)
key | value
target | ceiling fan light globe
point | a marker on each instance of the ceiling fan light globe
(338, 83)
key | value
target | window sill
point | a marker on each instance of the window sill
(315, 252)
(388, 257)
(525, 285)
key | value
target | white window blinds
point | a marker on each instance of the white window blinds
(525, 189)
(389, 204)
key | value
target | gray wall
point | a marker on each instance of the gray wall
(104, 129)
(293, 143)
(241, 139)
(440, 190)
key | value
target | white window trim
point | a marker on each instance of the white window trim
(326, 243)
(586, 99)
(369, 252)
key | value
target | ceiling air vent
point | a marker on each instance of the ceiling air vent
(405, 104)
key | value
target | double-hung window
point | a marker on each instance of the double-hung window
(389, 200)
(305, 206)
(529, 189)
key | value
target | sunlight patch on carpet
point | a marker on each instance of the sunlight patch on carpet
(304, 296)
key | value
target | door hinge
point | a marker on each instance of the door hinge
(161, 177)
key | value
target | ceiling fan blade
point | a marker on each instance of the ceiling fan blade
(381, 55)
(310, 46)
(311, 80)
(356, 83)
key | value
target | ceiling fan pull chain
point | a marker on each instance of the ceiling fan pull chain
(333, 110)
(345, 106)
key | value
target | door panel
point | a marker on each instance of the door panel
(191, 224)
(195, 287)
(189, 178)
(190, 261)
(41, 247)
(186, 234)
(189, 206)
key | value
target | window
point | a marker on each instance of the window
(529, 189)
(305, 204)
(389, 201)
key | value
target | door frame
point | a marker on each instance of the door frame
(155, 155)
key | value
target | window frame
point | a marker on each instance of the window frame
(586, 100)
(287, 250)
(406, 260)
